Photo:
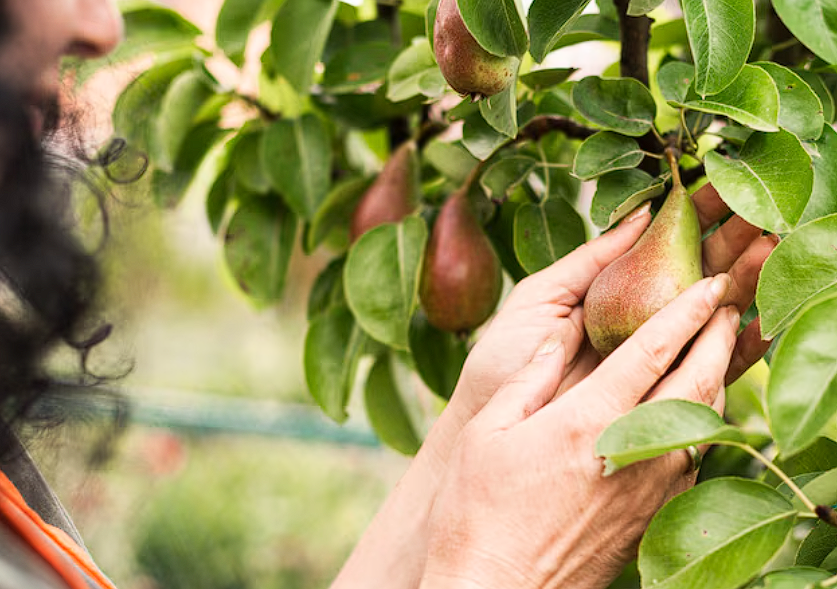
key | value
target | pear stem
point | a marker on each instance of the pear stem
(672, 156)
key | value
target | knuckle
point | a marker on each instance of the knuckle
(656, 352)
(705, 387)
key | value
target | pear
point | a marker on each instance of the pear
(664, 262)
(468, 68)
(393, 194)
(462, 277)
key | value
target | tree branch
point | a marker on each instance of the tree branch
(635, 33)
(542, 125)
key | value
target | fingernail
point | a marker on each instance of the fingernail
(774, 238)
(734, 317)
(548, 347)
(718, 288)
(638, 213)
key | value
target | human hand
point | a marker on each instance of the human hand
(524, 503)
(548, 305)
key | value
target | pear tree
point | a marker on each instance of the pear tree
(434, 151)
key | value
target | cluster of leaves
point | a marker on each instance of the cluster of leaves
(743, 89)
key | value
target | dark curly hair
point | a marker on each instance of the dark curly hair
(49, 283)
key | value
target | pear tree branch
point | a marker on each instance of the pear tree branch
(543, 125)
(635, 35)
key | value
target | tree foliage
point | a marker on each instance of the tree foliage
(742, 88)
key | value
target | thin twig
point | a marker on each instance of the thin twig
(543, 125)
(778, 472)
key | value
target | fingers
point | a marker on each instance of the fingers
(700, 376)
(526, 391)
(627, 374)
(749, 349)
(722, 248)
(745, 272)
(710, 208)
(567, 280)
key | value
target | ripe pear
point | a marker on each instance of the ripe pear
(468, 68)
(462, 277)
(393, 194)
(664, 262)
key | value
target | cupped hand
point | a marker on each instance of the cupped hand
(524, 503)
(548, 304)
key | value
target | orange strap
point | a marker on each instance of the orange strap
(51, 543)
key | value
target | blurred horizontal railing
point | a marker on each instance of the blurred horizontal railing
(200, 413)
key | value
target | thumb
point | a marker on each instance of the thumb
(529, 389)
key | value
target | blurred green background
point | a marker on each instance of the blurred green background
(187, 506)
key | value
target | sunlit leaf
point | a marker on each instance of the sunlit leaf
(721, 35)
(654, 429)
(718, 534)
(803, 266)
(381, 279)
(802, 392)
(770, 182)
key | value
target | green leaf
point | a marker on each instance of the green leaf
(668, 34)
(138, 105)
(247, 162)
(235, 21)
(623, 104)
(718, 534)
(357, 66)
(816, 83)
(299, 34)
(588, 27)
(258, 245)
(168, 188)
(820, 456)
(546, 232)
(770, 182)
(220, 195)
(183, 100)
(387, 413)
(800, 109)
(381, 279)
(802, 267)
(336, 210)
(414, 72)
(817, 546)
(334, 345)
(752, 99)
(802, 392)
(821, 490)
(656, 428)
(438, 355)
(605, 152)
(451, 159)
(823, 154)
(720, 35)
(327, 290)
(296, 156)
(620, 192)
(500, 110)
(480, 138)
(547, 78)
(791, 578)
(506, 174)
(674, 79)
(813, 23)
(497, 25)
(430, 20)
(548, 20)
(640, 7)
